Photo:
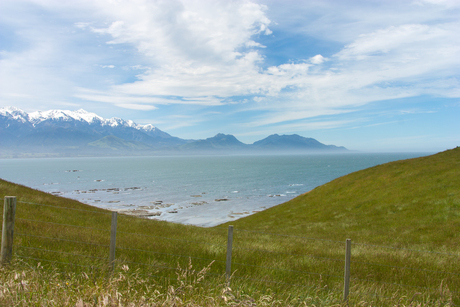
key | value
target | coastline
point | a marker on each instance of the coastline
(199, 213)
(203, 191)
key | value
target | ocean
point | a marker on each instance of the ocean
(199, 190)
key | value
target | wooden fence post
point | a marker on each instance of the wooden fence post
(346, 287)
(9, 211)
(113, 239)
(228, 269)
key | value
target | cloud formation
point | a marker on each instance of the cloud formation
(198, 51)
(205, 52)
(233, 55)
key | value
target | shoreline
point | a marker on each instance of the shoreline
(194, 211)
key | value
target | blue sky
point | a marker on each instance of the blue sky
(367, 75)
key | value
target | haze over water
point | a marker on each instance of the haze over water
(198, 190)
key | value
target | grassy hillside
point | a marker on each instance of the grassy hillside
(403, 218)
(407, 202)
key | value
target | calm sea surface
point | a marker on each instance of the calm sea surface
(199, 190)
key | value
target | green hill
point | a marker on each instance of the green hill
(403, 218)
(415, 201)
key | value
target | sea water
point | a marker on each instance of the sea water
(198, 190)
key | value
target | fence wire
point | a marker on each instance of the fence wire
(59, 224)
(167, 254)
(54, 261)
(60, 252)
(166, 238)
(66, 208)
(287, 254)
(407, 249)
(405, 268)
(59, 239)
(290, 236)
(277, 282)
(286, 270)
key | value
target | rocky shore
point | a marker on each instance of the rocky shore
(200, 209)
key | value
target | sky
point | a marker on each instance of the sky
(369, 75)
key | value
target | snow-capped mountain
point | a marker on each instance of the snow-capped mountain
(14, 114)
(74, 129)
(64, 115)
(35, 118)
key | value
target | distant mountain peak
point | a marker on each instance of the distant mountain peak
(218, 142)
(148, 127)
(65, 115)
(14, 113)
(226, 139)
(9, 109)
(221, 136)
(294, 142)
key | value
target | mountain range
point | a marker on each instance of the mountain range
(61, 132)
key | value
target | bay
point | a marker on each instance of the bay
(199, 190)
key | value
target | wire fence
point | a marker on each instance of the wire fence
(245, 256)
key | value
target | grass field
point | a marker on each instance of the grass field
(403, 219)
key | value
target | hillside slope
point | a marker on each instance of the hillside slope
(410, 201)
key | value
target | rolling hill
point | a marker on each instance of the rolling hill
(415, 201)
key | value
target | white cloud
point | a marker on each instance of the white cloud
(315, 125)
(188, 31)
(447, 3)
(82, 25)
(125, 101)
(317, 59)
(196, 49)
(133, 106)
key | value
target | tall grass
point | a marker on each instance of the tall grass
(41, 286)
